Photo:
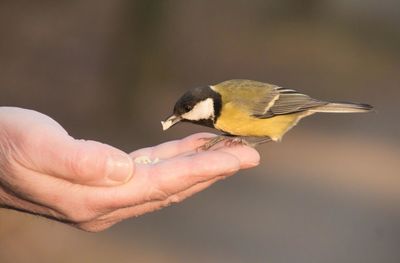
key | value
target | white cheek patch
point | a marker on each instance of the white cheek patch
(201, 111)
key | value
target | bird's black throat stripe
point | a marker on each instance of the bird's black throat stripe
(217, 103)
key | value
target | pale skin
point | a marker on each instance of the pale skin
(91, 185)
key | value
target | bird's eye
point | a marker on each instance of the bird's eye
(188, 107)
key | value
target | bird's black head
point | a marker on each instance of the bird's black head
(200, 105)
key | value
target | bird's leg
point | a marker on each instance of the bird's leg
(231, 140)
(210, 142)
(248, 141)
(260, 140)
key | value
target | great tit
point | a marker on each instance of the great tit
(250, 112)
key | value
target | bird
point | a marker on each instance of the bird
(250, 112)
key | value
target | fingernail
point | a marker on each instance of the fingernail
(120, 167)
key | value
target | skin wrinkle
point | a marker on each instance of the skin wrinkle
(11, 186)
(34, 209)
(78, 161)
(13, 156)
(24, 195)
(24, 145)
(37, 213)
(82, 209)
(6, 166)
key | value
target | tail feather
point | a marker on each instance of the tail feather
(343, 108)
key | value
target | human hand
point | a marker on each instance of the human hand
(91, 185)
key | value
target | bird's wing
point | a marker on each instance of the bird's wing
(264, 100)
(289, 101)
(253, 96)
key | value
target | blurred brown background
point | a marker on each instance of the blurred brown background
(111, 70)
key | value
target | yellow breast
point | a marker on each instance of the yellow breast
(235, 121)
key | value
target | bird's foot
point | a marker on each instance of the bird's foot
(234, 141)
(231, 141)
(210, 142)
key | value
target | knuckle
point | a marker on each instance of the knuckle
(79, 214)
(73, 204)
(96, 226)
(174, 199)
(93, 228)
(86, 164)
(155, 194)
(77, 163)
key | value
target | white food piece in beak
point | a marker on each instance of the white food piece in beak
(170, 122)
(166, 124)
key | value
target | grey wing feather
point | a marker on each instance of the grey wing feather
(290, 101)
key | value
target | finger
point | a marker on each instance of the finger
(178, 174)
(157, 182)
(173, 148)
(248, 156)
(79, 161)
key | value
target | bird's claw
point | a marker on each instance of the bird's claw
(228, 141)
(210, 142)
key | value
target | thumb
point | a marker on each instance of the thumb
(81, 161)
